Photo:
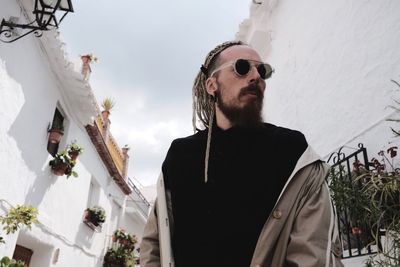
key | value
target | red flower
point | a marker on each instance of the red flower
(355, 230)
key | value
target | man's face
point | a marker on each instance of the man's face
(240, 98)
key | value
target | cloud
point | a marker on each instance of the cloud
(149, 53)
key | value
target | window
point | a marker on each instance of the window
(94, 193)
(55, 132)
(22, 253)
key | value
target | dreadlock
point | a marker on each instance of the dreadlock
(203, 103)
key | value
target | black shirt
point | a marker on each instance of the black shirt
(218, 223)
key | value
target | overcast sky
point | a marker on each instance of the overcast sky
(149, 53)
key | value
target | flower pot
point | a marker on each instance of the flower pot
(73, 155)
(105, 114)
(86, 215)
(60, 169)
(55, 136)
(114, 238)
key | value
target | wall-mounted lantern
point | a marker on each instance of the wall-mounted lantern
(45, 19)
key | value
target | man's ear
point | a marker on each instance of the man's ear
(211, 85)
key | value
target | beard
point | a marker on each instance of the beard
(248, 116)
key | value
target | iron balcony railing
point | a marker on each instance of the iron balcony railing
(355, 242)
(139, 199)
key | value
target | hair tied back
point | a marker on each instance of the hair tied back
(204, 70)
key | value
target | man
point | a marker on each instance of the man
(241, 192)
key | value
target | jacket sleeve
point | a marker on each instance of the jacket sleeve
(314, 240)
(149, 247)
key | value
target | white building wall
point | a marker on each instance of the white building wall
(333, 65)
(334, 62)
(30, 91)
(26, 176)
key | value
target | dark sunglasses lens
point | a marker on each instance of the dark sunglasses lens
(265, 71)
(242, 66)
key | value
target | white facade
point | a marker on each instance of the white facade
(334, 62)
(35, 78)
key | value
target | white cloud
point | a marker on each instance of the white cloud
(149, 53)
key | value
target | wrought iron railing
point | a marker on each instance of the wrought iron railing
(139, 199)
(355, 239)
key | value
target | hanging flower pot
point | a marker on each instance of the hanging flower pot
(74, 155)
(62, 164)
(95, 215)
(74, 150)
(86, 215)
(56, 131)
(60, 169)
(55, 136)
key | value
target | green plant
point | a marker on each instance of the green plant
(371, 200)
(75, 148)
(125, 239)
(97, 215)
(108, 104)
(347, 196)
(119, 257)
(63, 159)
(383, 212)
(7, 262)
(122, 252)
(18, 216)
(119, 234)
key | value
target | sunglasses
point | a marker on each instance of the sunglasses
(242, 67)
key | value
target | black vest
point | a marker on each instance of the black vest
(218, 223)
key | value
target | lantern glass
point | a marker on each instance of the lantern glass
(48, 3)
(66, 5)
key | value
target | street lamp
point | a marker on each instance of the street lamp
(45, 19)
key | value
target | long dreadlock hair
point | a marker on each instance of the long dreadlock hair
(204, 103)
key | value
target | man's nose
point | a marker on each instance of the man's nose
(254, 75)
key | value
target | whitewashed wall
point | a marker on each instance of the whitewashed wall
(29, 94)
(334, 61)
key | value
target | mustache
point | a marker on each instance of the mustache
(252, 89)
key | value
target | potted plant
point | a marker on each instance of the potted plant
(118, 234)
(95, 215)
(107, 104)
(74, 150)
(371, 200)
(117, 257)
(122, 252)
(7, 262)
(63, 164)
(56, 131)
(12, 221)
(124, 239)
(18, 216)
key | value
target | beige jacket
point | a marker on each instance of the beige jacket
(299, 232)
